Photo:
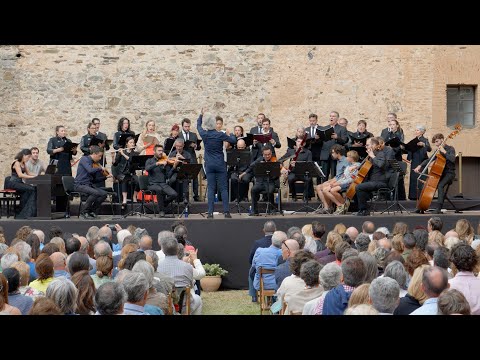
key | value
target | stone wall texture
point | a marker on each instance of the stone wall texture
(44, 86)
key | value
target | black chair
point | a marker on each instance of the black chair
(269, 206)
(143, 184)
(9, 197)
(388, 194)
(68, 186)
(111, 194)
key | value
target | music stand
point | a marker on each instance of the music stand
(138, 163)
(305, 168)
(237, 158)
(270, 170)
(187, 172)
(396, 168)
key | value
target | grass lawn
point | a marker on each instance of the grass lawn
(231, 302)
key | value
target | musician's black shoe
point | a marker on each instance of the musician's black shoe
(418, 211)
(437, 211)
(196, 198)
(210, 216)
(86, 216)
(227, 215)
(294, 197)
(161, 214)
(363, 213)
(254, 214)
(92, 214)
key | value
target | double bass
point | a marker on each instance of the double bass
(433, 177)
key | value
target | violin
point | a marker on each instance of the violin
(104, 171)
(165, 160)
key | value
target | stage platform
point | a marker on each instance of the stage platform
(228, 241)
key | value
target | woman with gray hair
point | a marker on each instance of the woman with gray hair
(417, 156)
(63, 293)
(215, 166)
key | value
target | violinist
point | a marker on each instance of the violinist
(302, 155)
(88, 170)
(157, 168)
(338, 155)
(261, 183)
(89, 140)
(180, 156)
(377, 175)
(125, 172)
(448, 172)
(417, 157)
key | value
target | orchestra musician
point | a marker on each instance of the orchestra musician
(416, 158)
(338, 154)
(262, 183)
(158, 170)
(339, 137)
(123, 127)
(274, 141)
(27, 192)
(245, 181)
(57, 152)
(181, 157)
(190, 148)
(88, 170)
(147, 139)
(303, 155)
(215, 166)
(125, 172)
(86, 144)
(395, 131)
(448, 174)
(377, 175)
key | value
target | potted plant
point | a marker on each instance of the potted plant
(213, 277)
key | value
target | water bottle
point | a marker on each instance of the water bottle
(186, 212)
(250, 209)
(276, 199)
(216, 197)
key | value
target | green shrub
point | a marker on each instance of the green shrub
(214, 270)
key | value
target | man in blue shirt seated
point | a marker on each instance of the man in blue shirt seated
(88, 170)
(267, 258)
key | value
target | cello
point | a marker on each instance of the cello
(362, 173)
(433, 177)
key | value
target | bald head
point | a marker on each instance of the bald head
(59, 260)
(105, 231)
(292, 246)
(146, 242)
(368, 227)
(434, 281)
(352, 232)
(241, 144)
(385, 243)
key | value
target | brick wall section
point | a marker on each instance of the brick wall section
(43, 86)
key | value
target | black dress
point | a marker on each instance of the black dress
(27, 193)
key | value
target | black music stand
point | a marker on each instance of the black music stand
(307, 169)
(237, 158)
(396, 205)
(270, 170)
(187, 172)
(138, 163)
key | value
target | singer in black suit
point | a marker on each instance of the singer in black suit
(187, 135)
(416, 158)
(274, 141)
(340, 137)
(315, 145)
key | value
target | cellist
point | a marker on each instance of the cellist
(303, 155)
(448, 173)
(377, 175)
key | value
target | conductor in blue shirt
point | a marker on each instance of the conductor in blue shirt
(215, 165)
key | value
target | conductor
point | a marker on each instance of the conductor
(215, 166)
